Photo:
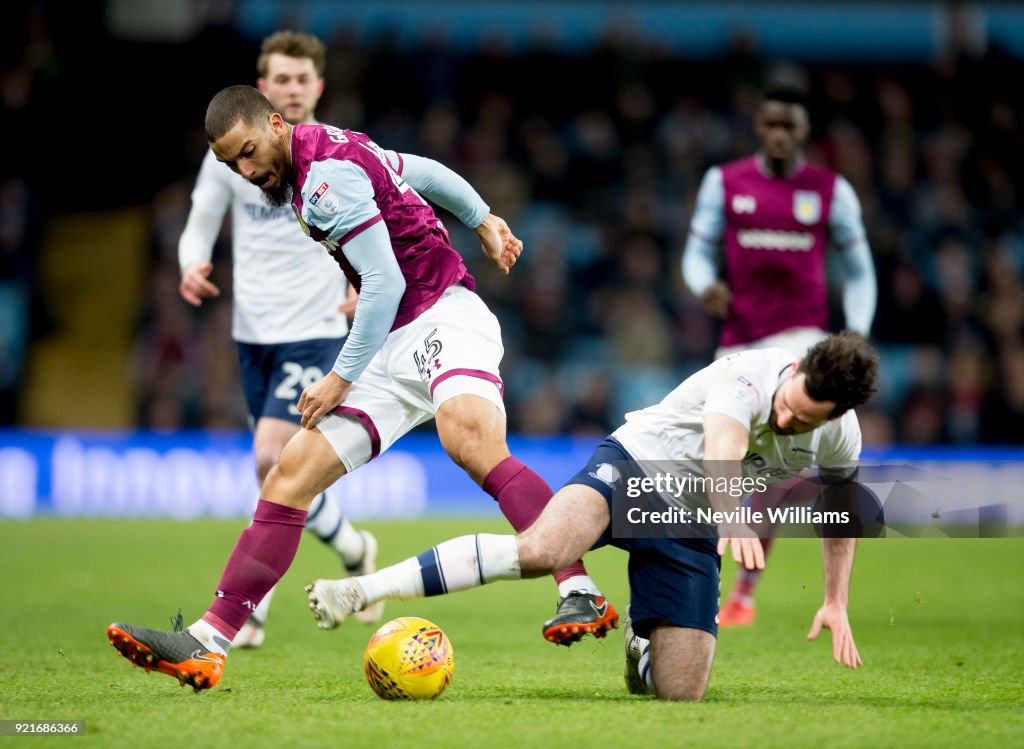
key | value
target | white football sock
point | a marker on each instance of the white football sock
(324, 520)
(458, 564)
(401, 581)
(260, 614)
(212, 638)
(644, 667)
(349, 544)
(578, 582)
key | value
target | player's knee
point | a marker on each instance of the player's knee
(473, 439)
(476, 453)
(458, 451)
(286, 484)
(678, 690)
(537, 558)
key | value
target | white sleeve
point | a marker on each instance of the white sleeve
(211, 198)
(381, 290)
(737, 396)
(338, 199)
(839, 459)
(706, 229)
(440, 185)
(860, 287)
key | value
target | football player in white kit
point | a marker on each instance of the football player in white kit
(773, 218)
(289, 298)
(763, 411)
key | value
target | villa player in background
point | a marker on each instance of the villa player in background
(771, 217)
(289, 317)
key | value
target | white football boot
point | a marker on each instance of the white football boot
(331, 601)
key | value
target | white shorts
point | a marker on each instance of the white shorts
(453, 348)
(795, 340)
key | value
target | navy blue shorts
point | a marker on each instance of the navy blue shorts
(672, 580)
(275, 374)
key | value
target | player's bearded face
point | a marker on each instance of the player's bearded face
(259, 152)
(794, 411)
(273, 173)
(277, 190)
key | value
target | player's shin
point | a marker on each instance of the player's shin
(521, 495)
(458, 564)
(262, 555)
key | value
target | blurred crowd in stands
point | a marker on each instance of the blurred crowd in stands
(595, 159)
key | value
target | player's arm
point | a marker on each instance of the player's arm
(700, 255)
(725, 444)
(837, 558)
(354, 222)
(211, 198)
(860, 287)
(440, 185)
(839, 478)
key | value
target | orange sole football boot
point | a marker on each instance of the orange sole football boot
(580, 613)
(176, 654)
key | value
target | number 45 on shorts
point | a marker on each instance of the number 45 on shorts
(430, 361)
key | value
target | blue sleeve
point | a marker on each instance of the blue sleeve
(860, 288)
(337, 198)
(706, 229)
(383, 285)
(440, 185)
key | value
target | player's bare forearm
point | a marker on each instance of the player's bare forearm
(837, 558)
(498, 242)
(725, 445)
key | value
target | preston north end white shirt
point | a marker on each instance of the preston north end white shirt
(286, 286)
(741, 386)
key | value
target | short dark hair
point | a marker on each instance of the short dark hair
(842, 369)
(292, 44)
(786, 95)
(232, 104)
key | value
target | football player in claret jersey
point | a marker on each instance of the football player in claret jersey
(772, 216)
(287, 322)
(422, 346)
(762, 411)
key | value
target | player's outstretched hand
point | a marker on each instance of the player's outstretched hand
(195, 286)
(499, 243)
(716, 299)
(322, 397)
(833, 616)
(745, 550)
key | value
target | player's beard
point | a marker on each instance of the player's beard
(281, 194)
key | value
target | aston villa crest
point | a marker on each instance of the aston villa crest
(807, 207)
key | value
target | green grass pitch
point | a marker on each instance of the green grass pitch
(939, 624)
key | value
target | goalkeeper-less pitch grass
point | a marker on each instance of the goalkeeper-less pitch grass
(939, 624)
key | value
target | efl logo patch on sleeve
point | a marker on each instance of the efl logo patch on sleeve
(319, 193)
(324, 199)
